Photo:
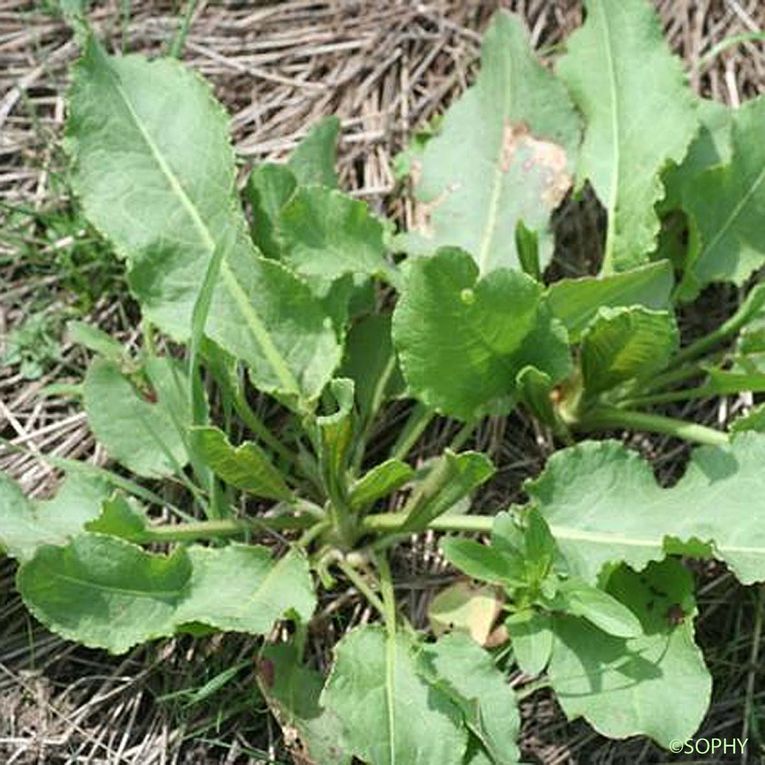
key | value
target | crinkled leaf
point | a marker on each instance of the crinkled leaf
(726, 204)
(155, 171)
(451, 478)
(467, 673)
(26, 524)
(504, 154)
(246, 466)
(105, 592)
(327, 234)
(576, 301)
(144, 429)
(624, 343)
(632, 130)
(292, 691)
(656, 685)
(379, 481)
(389, 713)
(462, 339)
(313, 160)
(335, 438)
(465, 607)
(603, 505)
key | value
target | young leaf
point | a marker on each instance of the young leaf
(623, 343)
(246, 466)
(105, 592)
(577, 301)
(725, 204)
(479, 561)
(504, 154)
(135, 129)
(120, 518)
(386, 707)
(381, 480)
(335, 438)
(603, 505)
(599, 608)
(143, 431)
(632, 131)
(467, 673)
(531, 637)
(710, 147)
(26, 524)
(370, 362)
(313, 160)
(467, 608)
(535, 390)
(462, 339)
(292, 691)
(268, 189)
(655, 685)
(452, 478)
(96, 340)
(327, 234)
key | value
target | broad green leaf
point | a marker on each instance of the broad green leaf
(389, 713)
(577, 301)
(143, 429)
(150, 145)
(754, 420)
(120, 518)
(632, 130)
(379, 481)
(710, 147)
(462, 339)
(246, 466)
(26, 524)
(479, 561)
(105, 592)
(532, 640)
(466, 608)
(726, 204)
(469, 676)
(598, 607)
(313, 160)
(370, 362)
(326, 234)
(624, 343)
(451, 478)
(292, 691)
(655, 685)
(504, 154)
(603, 505)
(242, 588)
(268, 189)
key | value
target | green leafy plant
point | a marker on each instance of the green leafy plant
(255, 439)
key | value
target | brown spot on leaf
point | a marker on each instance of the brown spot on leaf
(266, 672)
(537, 155)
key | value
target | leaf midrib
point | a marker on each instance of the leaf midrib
(496, 190)
(254, 322)
(616, 131)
